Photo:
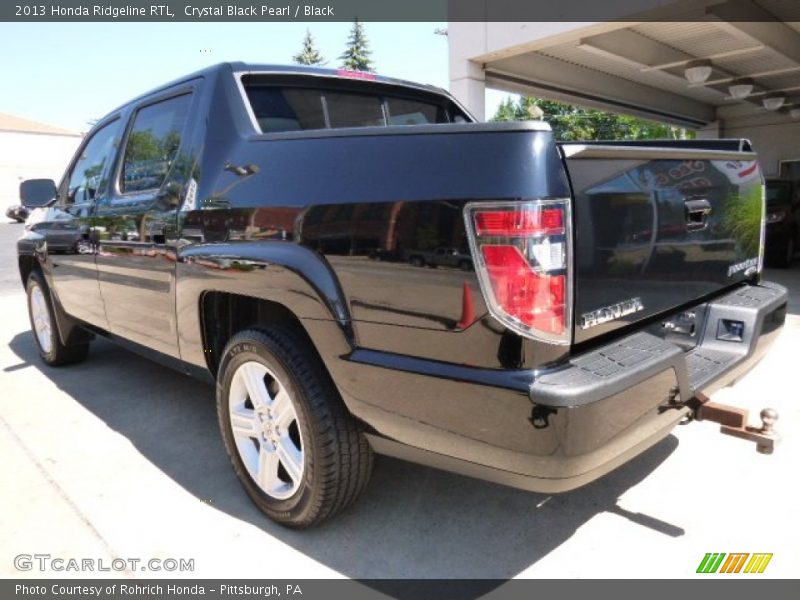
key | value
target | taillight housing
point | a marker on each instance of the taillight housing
(522, 255)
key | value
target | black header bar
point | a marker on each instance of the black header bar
(379, 10)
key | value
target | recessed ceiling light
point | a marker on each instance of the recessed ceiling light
(741, 88)
(774, 101)
(697, 71)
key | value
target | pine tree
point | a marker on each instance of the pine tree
(309, 55)
(356, 55)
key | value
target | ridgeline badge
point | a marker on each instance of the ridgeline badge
(745, 265)
(609, 313)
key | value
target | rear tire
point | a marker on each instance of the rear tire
(45, 331)
(296, 450)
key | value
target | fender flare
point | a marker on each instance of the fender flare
(277, 271)
(70, 331)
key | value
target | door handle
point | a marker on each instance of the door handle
(696, 210)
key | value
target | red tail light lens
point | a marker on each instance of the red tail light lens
(522, 263)
(547, 221)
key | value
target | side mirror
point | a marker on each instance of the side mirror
(37, 192)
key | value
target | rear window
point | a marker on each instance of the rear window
(290, 108)
(411, 112)
(278, 109)
(353, 110)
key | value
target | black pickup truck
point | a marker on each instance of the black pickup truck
(224, 223)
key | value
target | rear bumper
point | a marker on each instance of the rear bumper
(755, 313)
(586, 418)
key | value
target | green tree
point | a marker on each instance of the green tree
(142, 146)
(506, 111)
(308, 55)
(570, 122)
(356, 56)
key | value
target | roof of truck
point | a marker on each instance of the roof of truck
(242, 67)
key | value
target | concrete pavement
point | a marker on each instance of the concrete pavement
(119, 457)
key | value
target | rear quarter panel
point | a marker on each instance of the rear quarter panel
(357, 203)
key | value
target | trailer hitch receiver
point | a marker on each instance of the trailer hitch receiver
(733, 421)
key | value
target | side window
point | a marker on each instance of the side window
(85, 178)
(153, 144)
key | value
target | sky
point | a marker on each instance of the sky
(67, 74)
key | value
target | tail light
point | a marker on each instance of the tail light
(521, 252)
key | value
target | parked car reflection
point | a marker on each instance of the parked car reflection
(442, 257)
(18, 213)
(65, 231)
(422, 233)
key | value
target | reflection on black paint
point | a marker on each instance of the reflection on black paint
(396, 231)
(634, 237)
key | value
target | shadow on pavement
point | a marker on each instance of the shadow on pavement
(413, 522)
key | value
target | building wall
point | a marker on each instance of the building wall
(774, 137)
(471, 44)
(31, 156)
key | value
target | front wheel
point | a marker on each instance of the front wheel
(48, 342)
(297, 452)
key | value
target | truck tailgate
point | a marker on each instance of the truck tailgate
(659, 226)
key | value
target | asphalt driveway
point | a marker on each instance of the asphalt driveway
(119, 457)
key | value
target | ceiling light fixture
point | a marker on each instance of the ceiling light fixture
(697, 71)
(741, 88)
(773, 101)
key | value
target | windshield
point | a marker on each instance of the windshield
(291, 108)
(778, 192)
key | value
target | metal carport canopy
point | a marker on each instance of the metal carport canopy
(637, 67)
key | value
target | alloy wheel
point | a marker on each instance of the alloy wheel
(40, 315)
(266, 431)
